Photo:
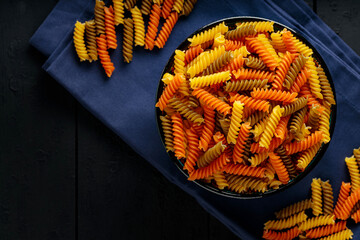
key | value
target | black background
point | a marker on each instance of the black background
(64, 175)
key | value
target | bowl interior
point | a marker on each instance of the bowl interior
(231, 22)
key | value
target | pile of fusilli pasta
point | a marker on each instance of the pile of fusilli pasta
(317, 218)
(246, 108)
(93, 38)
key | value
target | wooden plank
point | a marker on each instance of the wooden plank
(36, 136)
(310, 3)
(343, 17)
(121, 196)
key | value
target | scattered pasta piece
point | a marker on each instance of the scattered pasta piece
(117, 12)
(324, 221)
(79, 41)
(104, 55)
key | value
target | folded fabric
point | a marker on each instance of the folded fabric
(125, 102)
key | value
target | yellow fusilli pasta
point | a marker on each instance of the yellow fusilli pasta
(79, 41)
(208, 35)
(316, 196)
(286, 222)
(270, 127)
(139, 26)
(236, 120)
(118, 11)
(354, 172)
(209, 80)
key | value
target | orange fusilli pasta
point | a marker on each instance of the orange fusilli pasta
(166, 30)
(104, 55)
(152, 29)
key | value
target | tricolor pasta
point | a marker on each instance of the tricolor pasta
(134, 16)
(324, 221)
(245, 109)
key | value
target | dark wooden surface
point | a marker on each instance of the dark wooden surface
(64, 175)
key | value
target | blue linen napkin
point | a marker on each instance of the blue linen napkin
(125, 103)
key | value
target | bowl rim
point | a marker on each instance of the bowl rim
(300, 176)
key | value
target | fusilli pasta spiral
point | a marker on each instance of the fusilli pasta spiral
(212, 101)
(313, 78)
(185, 111)
(99, 17)
(209, 125)
(326, 89)
(146, 7)
(317, 221)
(260, 26)
(129, 4)
(178, 6)
(128, 40)
(286, 222)
(354, 172)
(208, 35)
(138, 26)
(91, 39)
(270, 126)
(193, 151)
(307, 156)
(281, 235)
(288, 163)
(235, 123)
(282, 70)
(104, 55)
(220, 178)
(167, 129)
(316, 198)
(293, 209)
(243, 74)
(294, 70)
(239, 147)
(188, 7)
(152, 29)
(328, 197)
(211, 154)
(118, 11)
(166, 8)
(251, 102)
(169, 91)
(244, 85)
(326, 230)
(110, 28)
(79, 41)
(255, 63)
(279, 167)
(275, 95)
(240, 32)
(224, 59)
(343, 195)
(179, 136)
(344, 234)
(166, 30)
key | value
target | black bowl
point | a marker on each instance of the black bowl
(227, 193)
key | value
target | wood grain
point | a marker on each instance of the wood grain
(343, 17)
(36, 134)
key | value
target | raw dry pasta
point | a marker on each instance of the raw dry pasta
(113, 13)
(325, 221)
(139, 27)
(252, 119)
(104, 55)
(79, 41)
(91, 39)
(128, 40)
